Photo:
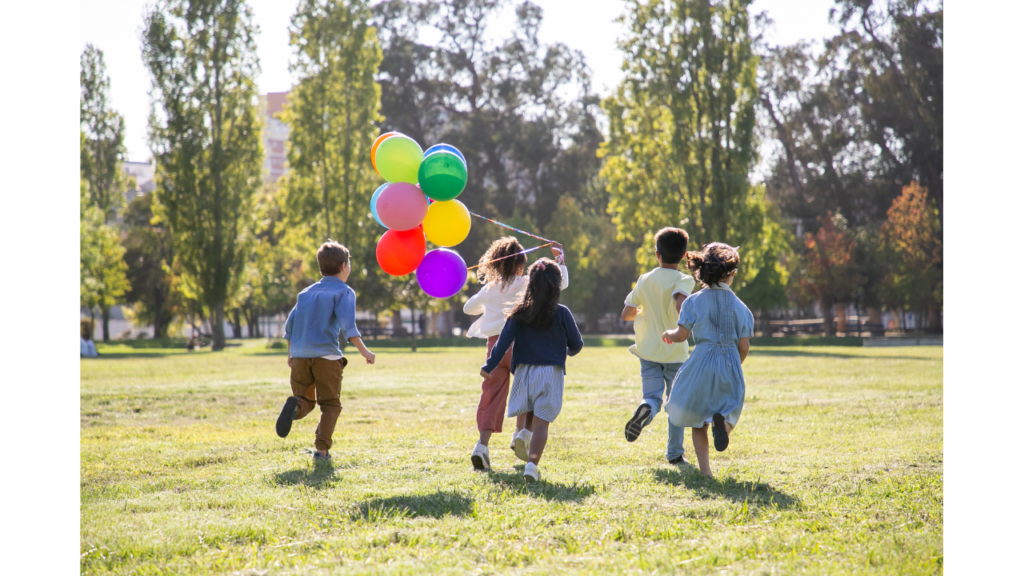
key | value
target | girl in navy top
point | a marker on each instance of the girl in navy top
(545, 333)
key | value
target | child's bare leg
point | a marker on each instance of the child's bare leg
(700, 446)
(540, 439)
(525, 421)
(485, 436)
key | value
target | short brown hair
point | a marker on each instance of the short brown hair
(331, 257)
(671, 244)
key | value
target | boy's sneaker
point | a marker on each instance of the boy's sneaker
(641, 418)
(522, 444)
(719, 432)
(481, 457)
(318, 457)
(512, 442)
(288, 412)
(678, 460)
(530, 473)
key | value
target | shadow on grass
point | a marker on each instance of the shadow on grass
(317, 477)
(754, 492)
(436, 505)
(810, 354)
(123, 355)
(513, 482)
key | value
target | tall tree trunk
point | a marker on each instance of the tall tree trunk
(875, 321)
(841, 317)
(159, 328)
(826, 313)
(217, 326)
(933, 319)
(105, 312)
(397, 330)
(413, 310)
(236, 323)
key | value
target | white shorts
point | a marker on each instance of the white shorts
(537, 389)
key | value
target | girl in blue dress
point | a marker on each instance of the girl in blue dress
(709, 388)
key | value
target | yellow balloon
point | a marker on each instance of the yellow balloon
(447, 223)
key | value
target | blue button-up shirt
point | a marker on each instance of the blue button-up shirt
(322, 312)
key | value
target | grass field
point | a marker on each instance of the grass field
(835, 468)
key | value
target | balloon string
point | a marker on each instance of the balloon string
(512, 255)
(511, 228)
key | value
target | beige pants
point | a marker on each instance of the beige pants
(318, 381)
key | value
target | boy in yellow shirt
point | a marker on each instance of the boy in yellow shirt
(653, 306)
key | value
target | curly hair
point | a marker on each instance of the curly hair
(713, 263)
(537, 306)
(502, 271)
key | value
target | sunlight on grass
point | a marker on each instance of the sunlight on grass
(835, 468)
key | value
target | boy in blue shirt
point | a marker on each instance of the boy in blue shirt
(322, 312)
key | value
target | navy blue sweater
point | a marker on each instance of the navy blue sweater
(535, 346)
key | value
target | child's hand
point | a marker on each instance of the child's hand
(666, 338)
(370, 356)
(483, 373)
(556, 250)
(289, 361)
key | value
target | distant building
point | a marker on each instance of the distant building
(143, 173)
(275, 135)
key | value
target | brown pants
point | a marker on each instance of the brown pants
(494, 392)
(318, 381)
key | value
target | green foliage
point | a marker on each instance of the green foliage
(205, 132)
(103, 137)
(148, 255)
(102, 270)
(912, 241)
(681, 136)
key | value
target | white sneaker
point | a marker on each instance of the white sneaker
(512, 442)
(530, 473)
(481, 457)
(522, 444)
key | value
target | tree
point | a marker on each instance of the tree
(681, 129)
(332, 115)
(205, 131)
(912, 237)
(102, 270)
(827, 271)
(103, 128)
(148, 255)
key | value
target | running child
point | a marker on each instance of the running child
(322, 312)
(709, 388)
(544, 332)
(653, 306)
(501, 271)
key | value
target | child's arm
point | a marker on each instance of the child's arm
(475, 305)
(629, 313)
(508, 335)
(357, 341)
(680, 334)
(289, 353)
(573, 340)
(679, 301)
(744, 347)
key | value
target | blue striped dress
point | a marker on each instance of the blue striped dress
(711, 379)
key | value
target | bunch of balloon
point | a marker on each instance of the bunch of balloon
(417, 204)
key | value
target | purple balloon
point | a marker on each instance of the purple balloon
(442, 273)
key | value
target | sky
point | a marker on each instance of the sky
(115, 26)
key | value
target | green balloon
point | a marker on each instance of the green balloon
(398, 159)
(442, 175)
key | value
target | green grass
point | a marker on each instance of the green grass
(835, 468)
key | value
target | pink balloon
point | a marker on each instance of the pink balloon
(402, 206)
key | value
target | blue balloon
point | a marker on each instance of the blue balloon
(373, 203)
(446, 147)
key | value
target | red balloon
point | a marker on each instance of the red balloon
(399, 252)
(401, 206)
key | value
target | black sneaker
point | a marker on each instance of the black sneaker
(641, 418)
(719, 432)
(678, 460)
(318, 457)
(288, 411)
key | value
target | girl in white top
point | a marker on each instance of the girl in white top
(501, 271)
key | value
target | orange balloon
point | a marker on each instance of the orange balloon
(373, 149)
